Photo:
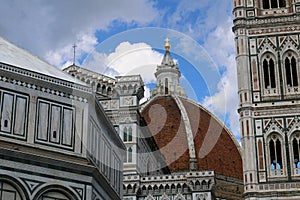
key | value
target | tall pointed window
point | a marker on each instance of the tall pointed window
(291, 74)
(129, 155)
(275, 156)
(125, 135)
(269, 72)
(129, 134)
(166, 86)
(295, 153)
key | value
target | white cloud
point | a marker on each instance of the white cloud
(52, 27)
(220, 45)
(127, 59)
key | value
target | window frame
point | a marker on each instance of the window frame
(273, 173)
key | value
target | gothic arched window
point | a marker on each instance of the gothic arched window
(129, 156)
(166, 86)
(129, 134)
(275, 156)
(98, 88)
(291, 74)
(269, 72)
(125, 135)
(295, 153)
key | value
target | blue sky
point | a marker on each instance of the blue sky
(120, 37)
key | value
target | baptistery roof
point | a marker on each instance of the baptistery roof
(192, 138)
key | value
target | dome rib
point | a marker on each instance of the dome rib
(188, 130)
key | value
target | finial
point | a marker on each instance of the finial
(167, 44)
(74, 47)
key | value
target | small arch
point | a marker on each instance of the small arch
(197, 185)
(109, 91)
(82, 79)
(173, 189)
(129, 188)
(204, 185)
(124, 88)
(88, 81)
(103, 91)
(55, 192)
(98, 88)
(12, 187)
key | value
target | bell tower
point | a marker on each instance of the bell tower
(267, 57)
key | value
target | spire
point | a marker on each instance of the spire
(168, 60)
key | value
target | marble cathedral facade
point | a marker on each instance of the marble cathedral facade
(267, 55)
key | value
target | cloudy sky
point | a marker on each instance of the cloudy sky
(118, 37)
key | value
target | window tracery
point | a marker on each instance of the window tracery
(291, 73)
(295, 153)
(269, 72)
(275, 156)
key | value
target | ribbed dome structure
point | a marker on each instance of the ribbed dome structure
(192, 138)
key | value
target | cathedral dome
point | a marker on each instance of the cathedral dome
(192, 138)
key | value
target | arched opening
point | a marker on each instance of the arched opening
(295, 153)
(125, 134)
(53, 195)
(166, 86)
(129, 134)
(109, 91)
(55, 192)
(291, 75)
(129, 155)
(103, 89)
(98, 88)
(269, 73)
(275, 151)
